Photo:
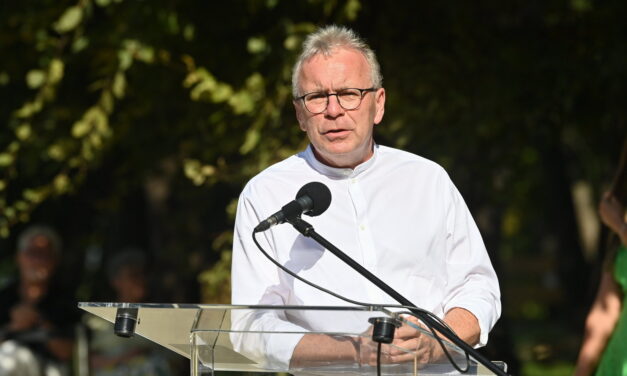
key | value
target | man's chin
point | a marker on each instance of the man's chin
(341, 158)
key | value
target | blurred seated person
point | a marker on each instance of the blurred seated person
(111, 355)
(38, 315)
(604, 348)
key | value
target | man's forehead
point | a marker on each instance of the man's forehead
(342, 69)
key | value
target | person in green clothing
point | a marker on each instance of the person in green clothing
(604, 347)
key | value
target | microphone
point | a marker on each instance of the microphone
(312, 199)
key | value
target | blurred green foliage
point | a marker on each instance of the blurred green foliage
(140, 121)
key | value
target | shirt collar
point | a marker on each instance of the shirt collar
(335, 172)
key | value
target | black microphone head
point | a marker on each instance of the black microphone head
(320, 196)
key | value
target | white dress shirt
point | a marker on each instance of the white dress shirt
(397, 214)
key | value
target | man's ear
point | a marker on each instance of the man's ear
(379, 105)
(299, 115)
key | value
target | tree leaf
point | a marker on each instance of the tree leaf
(6, 159)
(55, 71)
(23, 131)
(70, 19)
(35, 78)
(80, 128)
(119, 85)
(252, 139)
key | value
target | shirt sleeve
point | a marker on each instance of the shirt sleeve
(255, 281)
(472, 282)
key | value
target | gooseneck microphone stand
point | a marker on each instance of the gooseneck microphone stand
(307, 230)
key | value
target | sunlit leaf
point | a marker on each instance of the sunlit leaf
(20, 205)
(6, 159)
(87, 152)
(221, 93)
(125, 58)
(292, 42)
(56, 152)
(119, 85)
(256, 45)
(97, 119)
(107, 101)
(70, 19)
(145, 54)
(61, 183)
(352, 9)
(208, 170)
(95, 139)
(35, 78)
(79, 44)
(189, 32)
(9, 212)
(74, 162)
(252, 139)
(256, 85)
(242, 102)
(29, 109)
(55, 71)
(203, 90)
(192, 169)
(13, 147)
(80, 128)
(173, 23)
(23, 131)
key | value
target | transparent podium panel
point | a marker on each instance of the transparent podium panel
(341, 340)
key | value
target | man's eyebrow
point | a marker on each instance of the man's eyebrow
(326, 91)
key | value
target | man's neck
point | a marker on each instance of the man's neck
(349, 160)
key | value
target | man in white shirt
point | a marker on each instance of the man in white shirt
(395, 213)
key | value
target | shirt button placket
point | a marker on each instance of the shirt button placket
(365, 237)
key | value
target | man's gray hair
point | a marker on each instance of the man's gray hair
(30, 233)
(324, 41)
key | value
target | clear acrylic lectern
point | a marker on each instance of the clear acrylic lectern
(262, 339)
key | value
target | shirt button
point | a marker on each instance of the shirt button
(362, 227)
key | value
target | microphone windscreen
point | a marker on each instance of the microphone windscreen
(320, 196)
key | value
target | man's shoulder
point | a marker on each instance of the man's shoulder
(283, 172)
(398, 157)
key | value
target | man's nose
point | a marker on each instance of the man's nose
(333, 107)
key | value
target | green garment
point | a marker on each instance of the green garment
(614, 360)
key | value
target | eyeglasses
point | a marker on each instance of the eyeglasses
(349, 99)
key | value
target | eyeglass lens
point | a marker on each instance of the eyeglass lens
(349, 99)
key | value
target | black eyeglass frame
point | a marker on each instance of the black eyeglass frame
(327, 95)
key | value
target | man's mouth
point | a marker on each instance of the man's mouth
(335, 131)
(336, 134)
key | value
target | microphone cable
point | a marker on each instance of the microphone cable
(379, 344)
(363, 304)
